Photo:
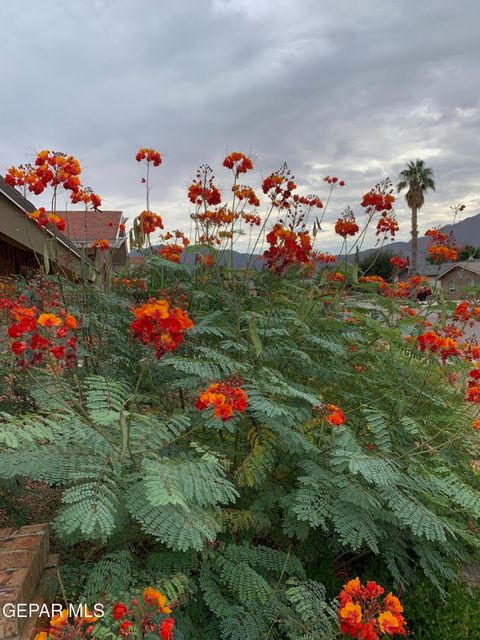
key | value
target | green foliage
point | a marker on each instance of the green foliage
(433, 616)
(242, 521)
(377, 263)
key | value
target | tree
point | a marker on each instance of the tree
(468, 252)
(418, 179)
(377, 264)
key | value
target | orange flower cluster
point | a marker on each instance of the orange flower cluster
(443, 247)
(173, 251)
(373, 279)
(363, 614)
(441, 254)
(137, 618)
(52, 169)
(150, 222)
(279, 186)
(42, 218)
(159, 324)
(239, 162)
(325, 258)
(35, 335)
(346, 225)
(380, 199)
(466, 311)
(204, 261)
(103, 245)
(131, 283)
(335, 415)
(246, 193)
(217, 217)
(309, 201)
(473, 390)
(334, 180)
(287, 247)
(404, 289)
(61, 626)
(435, 343)
(251, 219)
(377, 200)
(335, 276)
(149, 155)
(225, 398)
(387, 225)
(399, 263)
(198, 194)
(87, 197)
(407, 310)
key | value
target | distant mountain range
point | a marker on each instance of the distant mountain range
(465, 232)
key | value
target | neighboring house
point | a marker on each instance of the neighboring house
(84, 227)
(457, 278)
(432, 273)
(24, 244)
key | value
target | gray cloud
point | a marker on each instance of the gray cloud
(349, 88)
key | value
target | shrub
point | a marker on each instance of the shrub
(235, 450)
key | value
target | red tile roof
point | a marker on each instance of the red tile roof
(91, 225)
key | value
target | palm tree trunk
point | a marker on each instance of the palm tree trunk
(414, 241)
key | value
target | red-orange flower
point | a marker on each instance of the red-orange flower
(205, 261)
(288, 247)
(387, 225)
(333, 180)
(239, 162)
(161, 325)
(335, 276)
(42, 218)
(335, 415)
(346, 225)
(399, 263)
(199, 194)
(364, 616)
(150, 222)
(120, 610)
(431, 341)
(246, 193)
(49, 320)
(443, 247)
(103, 245)
(225, 398)
(153, 597)
(373, 279)
(149, 155)
(166, 629)
(378, 200)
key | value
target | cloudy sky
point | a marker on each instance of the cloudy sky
(353, 88)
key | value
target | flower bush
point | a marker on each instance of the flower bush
(240, 440)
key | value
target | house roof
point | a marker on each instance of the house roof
(469, 265)
(25, 205)
(82, 228)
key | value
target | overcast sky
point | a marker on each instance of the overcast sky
(353, 88)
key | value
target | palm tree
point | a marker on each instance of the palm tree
(418, 179)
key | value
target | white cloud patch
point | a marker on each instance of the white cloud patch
(348, 89)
